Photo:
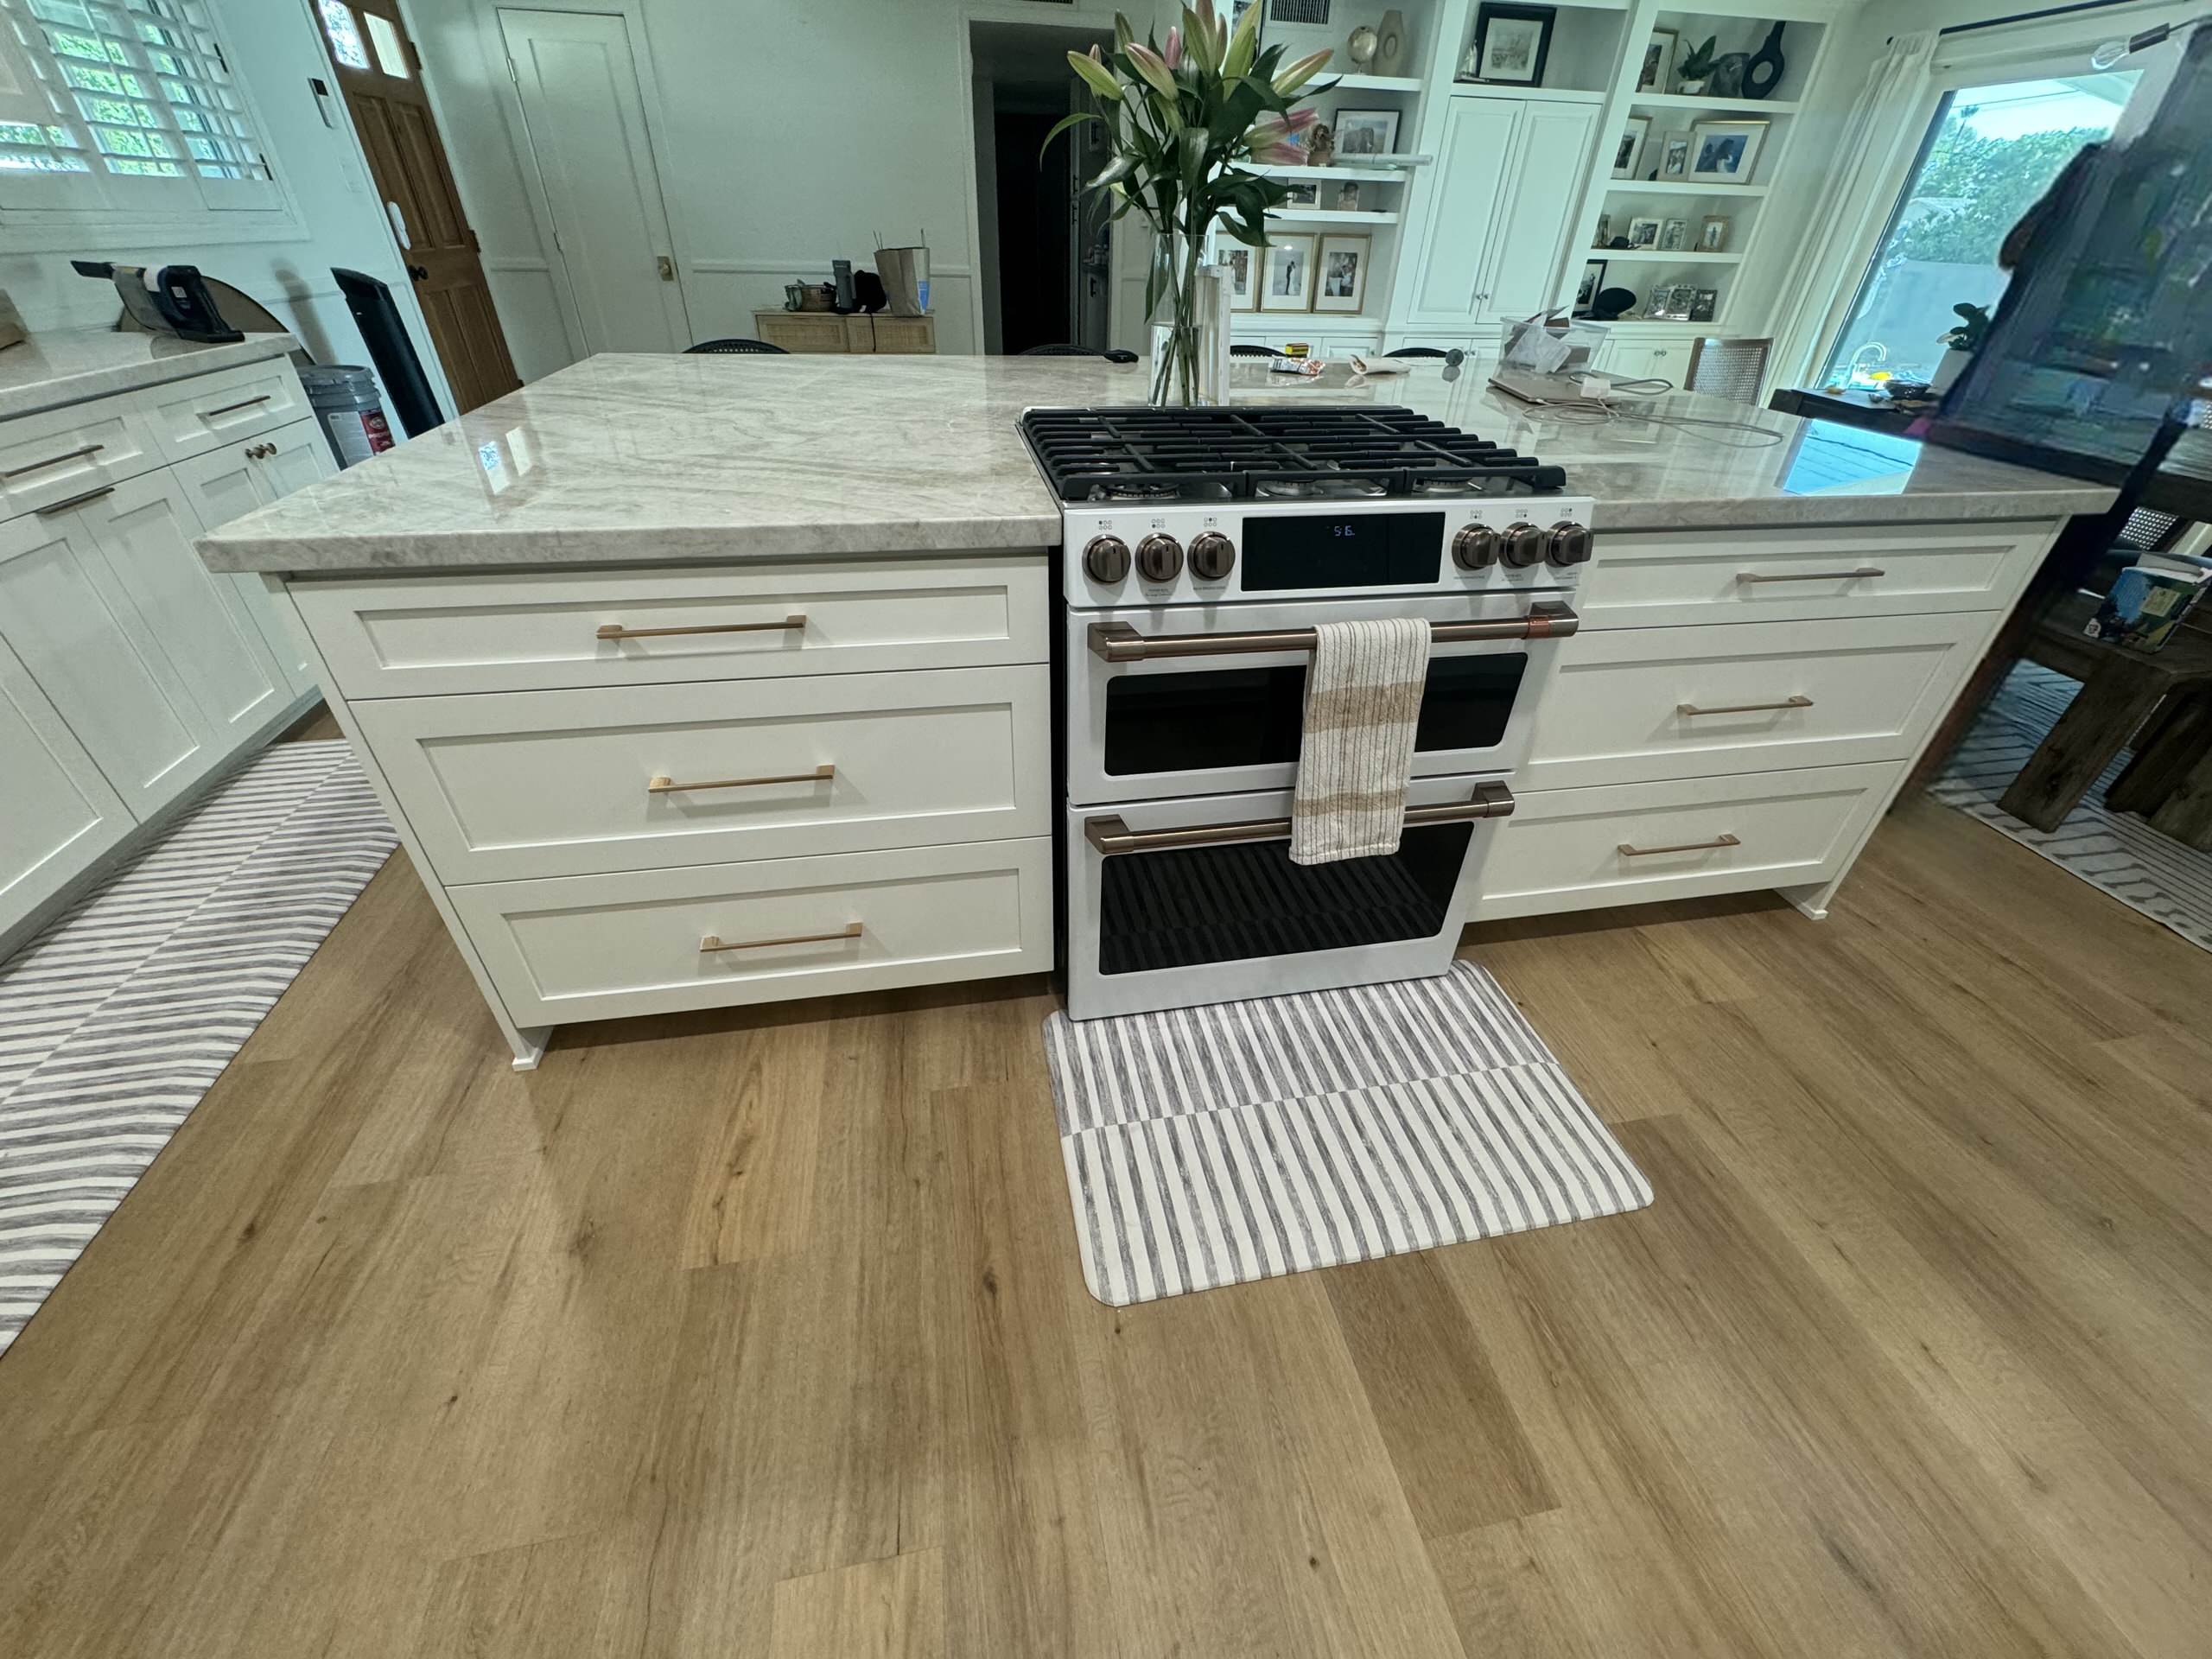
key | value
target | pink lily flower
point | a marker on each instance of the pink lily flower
(1173, 54)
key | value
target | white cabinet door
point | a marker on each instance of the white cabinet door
(1633, 360)
(62, 814)
(144, 528)
(70, 624)
(1545, 175)
(233, 481)
(1472, 175)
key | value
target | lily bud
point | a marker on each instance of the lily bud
(1173, 56)
(1297, 74)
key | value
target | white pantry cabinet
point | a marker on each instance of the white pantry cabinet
(129, 674)
(1509, 172)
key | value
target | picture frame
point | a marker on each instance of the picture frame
(1674, 155)
(1286, 274)
(1346, 200)
(1604, 238)
(1340, 273)
(1643, 234)
(1366, 132)
(1658, 71)
(1628, 150)
(1243, 263)
(1301, 192)
(1591, 285)
(1512, 43)
(1706, 306)
(1713, 234)
(1673, 236)
(1674, 300)
(1725, 152)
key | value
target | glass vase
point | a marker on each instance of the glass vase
(1190, 330)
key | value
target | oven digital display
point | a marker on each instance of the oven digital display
(1341, 550)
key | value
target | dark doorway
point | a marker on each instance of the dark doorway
(1047, 251)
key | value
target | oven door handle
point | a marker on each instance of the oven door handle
(1111, 835)
(1117, 642)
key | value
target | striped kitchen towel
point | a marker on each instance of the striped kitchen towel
(1363, 700)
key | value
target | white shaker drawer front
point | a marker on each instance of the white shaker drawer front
(193, 417)
(574, 783)
(1639, 704)
(595, 947)
(1667, 578)
(65, 453)
(409, 637)
(1634, 843)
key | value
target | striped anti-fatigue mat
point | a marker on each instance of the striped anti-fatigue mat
(116, 1019)
(1213, 1146)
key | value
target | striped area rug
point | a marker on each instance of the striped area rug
(116, 1019)
(2120, 852)
(1214, 1146)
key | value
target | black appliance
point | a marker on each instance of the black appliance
(390, 350)
(172, 301)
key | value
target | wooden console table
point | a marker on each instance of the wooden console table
(826, 331)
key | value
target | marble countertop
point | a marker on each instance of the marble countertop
(667, 459)
(67, 366)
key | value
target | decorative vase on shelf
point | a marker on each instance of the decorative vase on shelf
(1764, 72)
(1690, 87)
(1188, 122)
(1726, 79)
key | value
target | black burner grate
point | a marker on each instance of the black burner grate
(1261, 451)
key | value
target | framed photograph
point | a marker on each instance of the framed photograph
(1243, 292)
(1673, 236)
(1286, 274)
(1604, 236)
(1658, 71)
(1366, 132)
(1644, 233)
(1712, 235)
(1592, 283)
(1724, 152)
(1705, 305)
(1511, 42)
(1674, 155)
(1341, 283)
(1629, 152)
(1679, 298)
(1346, 200)
(1301, 192)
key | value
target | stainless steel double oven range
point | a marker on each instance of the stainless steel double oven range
(1200, 550)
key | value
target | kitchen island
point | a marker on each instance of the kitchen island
(700, 681)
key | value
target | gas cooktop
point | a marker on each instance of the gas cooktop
(1261, 452)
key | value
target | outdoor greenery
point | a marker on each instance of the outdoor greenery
(1980, 188)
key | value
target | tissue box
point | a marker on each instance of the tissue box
(2146, 606)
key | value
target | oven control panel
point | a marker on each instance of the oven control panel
(1196, 553)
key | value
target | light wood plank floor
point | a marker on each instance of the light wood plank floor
(763, 1334)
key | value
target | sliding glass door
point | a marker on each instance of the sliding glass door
(1990, 153)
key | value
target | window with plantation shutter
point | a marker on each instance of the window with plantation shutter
(123, 111)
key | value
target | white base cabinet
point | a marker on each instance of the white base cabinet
(128, 673)
(1740, 707)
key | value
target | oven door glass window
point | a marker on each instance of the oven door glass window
(1207, 718)
(1193, 905)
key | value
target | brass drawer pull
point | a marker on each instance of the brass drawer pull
(1117, 642)
(1628, 851)
(1745, 708)
(850, 930)
(76, 500)
(54, 460)
(616, 630)
(657, 786)
(1862, 571)
(1112, 835)
(232, 409)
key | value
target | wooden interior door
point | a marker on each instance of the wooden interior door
(381, 75)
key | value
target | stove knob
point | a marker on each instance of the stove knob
(1570, 544)
(1475, 548)
(1213, 556)
(1521, 546)
(1106, 560)
(1160, 558)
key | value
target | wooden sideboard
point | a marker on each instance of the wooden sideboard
(825, 331)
